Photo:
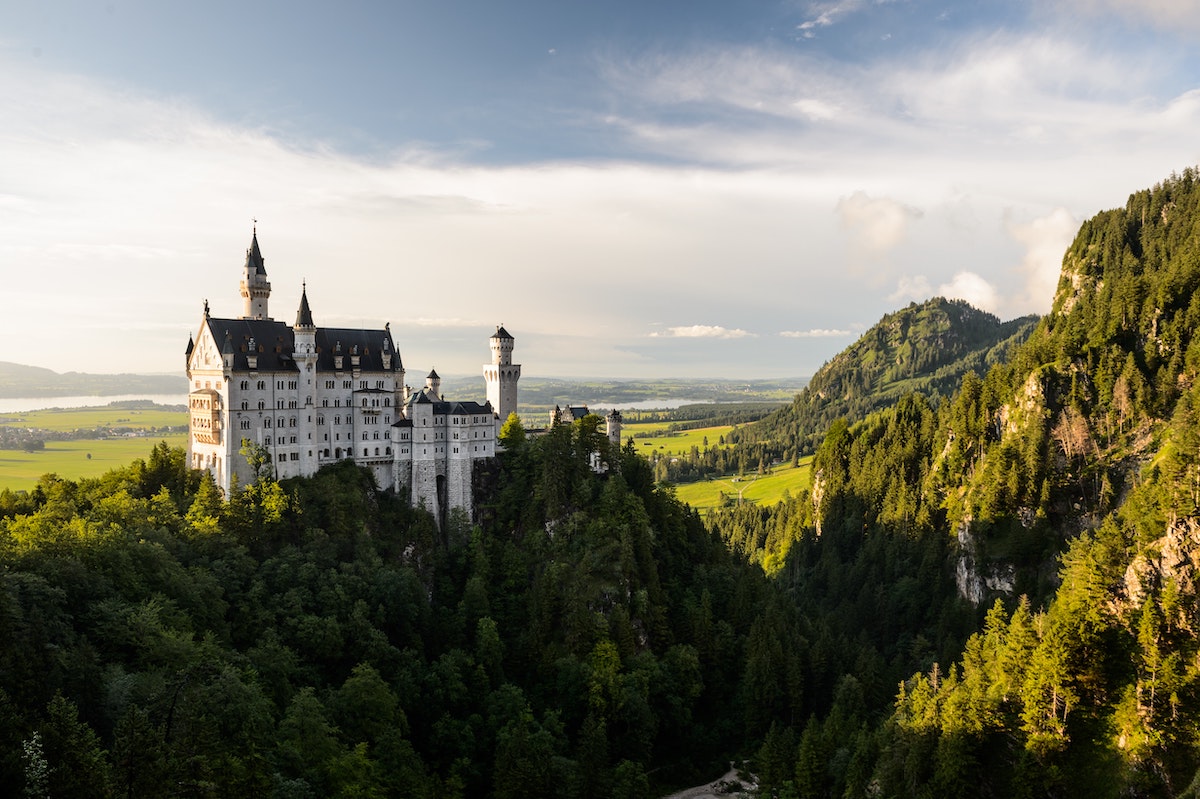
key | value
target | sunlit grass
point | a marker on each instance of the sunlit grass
(69, 459)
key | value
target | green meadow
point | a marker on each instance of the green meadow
(20, 471)
(85, 457)
(65, 419)
(670, 443)
(765, 489)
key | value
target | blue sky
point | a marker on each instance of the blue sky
(724, 189)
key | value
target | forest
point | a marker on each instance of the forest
(990, 590)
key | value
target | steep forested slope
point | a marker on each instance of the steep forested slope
(1068, 480)
(924, 348)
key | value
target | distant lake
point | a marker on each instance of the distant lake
(650, 405)
(21, 404)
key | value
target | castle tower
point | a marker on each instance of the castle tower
(305, 355)
(433, 384)
(613, 427)
(501, 375)
(254, 287)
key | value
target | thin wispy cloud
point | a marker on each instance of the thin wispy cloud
(702, 331)
(816, 332)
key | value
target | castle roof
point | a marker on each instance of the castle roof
(254, 260)
(304, 315)
(445, 408)
(501, 333)
(368, 345)
(275, 343)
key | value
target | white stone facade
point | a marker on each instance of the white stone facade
(310, 396)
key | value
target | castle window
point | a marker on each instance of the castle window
(362, 383)
(262, 384)
(292, 385)
(261, 405)
(337, 403)
(244, 385)
(266, 441)
(337, 420)
(364, 402)
(320, 419)
(279, 404)
(292, 440)
(245, 405)
(245, 424)
(364, 436)
(364, 452)
(387, 419)
(387, 403)
(324, 403)
(267, 422)
(377, 450)
(345, 384)
(328, 384)
(295, 456)
(387, 450)
(280, 422)
(282, 457)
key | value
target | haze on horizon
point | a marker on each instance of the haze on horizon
(677, 190)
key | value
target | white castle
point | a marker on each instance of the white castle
(309, 396)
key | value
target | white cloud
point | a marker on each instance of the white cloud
(972, 288)
(877, 224)
(1045, 239)
(826, 14)
(911, 288)
(702, 331)
(816, 332)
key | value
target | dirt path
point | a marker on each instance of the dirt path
(724, 787)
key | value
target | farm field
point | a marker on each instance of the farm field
(20, 471)
(704, 494)
(65, 419)
(673, 443)
(761, 490)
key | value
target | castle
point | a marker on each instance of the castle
(307, 396)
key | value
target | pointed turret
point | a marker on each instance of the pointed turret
(433, 384)
(254, 287)
(304, 315)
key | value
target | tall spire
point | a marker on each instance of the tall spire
(255, 289)
(304, 314)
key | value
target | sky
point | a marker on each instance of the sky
(707, 188)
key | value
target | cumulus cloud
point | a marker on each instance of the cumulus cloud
(1045, 240)
(877, 224)
(972, 288)
(816, 332)
(702, 331)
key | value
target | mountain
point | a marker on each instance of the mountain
(18, 380)
(924, 348)
(1059, 495)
